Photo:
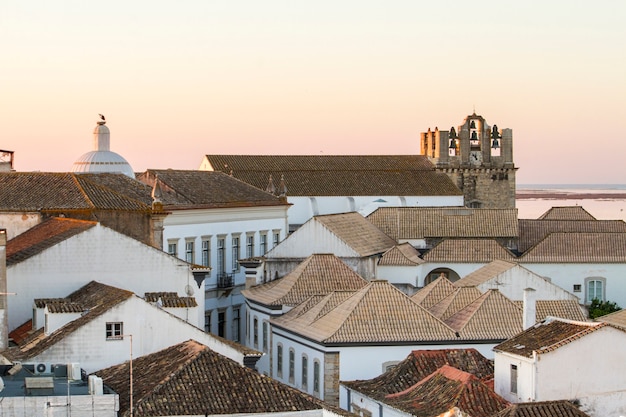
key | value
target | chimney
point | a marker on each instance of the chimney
(4, 314)
(530, 308)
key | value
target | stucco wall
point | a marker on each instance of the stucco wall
(98, 254)
(570, 274)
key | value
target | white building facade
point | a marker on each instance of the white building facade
(97, 254)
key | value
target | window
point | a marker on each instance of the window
(262, 243)
(207, 321)
(264, 336)
(595, 289)
(235, 265)
(279, 360)
(292, 365)
(248, 326)
(189, 251)
(316, 376)
(514, 379)
(221, 324)
(255, 329)
(206, 252)
(249, 246)
(276, 239)
(577, 288)
(236, 323)
(221, 255)
(172, 248)
(305, 371)
(115, 331)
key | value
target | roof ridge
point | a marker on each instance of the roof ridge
(82, 191)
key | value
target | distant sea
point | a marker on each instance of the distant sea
(603, 201)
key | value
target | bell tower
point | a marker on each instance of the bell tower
(478, 158)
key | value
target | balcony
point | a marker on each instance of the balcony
(224, 280)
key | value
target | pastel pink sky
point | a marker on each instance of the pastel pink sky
(178, 80)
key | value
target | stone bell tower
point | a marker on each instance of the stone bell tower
(479, 160)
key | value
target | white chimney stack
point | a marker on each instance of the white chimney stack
(530, 308)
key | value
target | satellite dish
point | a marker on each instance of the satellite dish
(189, 290)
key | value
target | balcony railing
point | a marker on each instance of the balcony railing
(224, 280)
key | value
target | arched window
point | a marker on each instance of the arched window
(292, 365)
(305, 371)
(316, 377)
(255, 329)
(279, 360)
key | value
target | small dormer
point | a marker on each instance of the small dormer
(54, 313)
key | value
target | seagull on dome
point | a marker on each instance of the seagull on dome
(101, 116)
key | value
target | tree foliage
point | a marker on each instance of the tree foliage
(599, 308)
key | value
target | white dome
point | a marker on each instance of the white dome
(101, 159)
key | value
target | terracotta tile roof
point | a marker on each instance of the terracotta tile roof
(455, 301)
(617, 319)
(338, 175)
(43, 236)
(170, 299)
(468, 251)
(565, 309)
(532, 232)
(492, 316)
(401, 255)
(547, 336)
(434, 292)
(567, 213)
(578, 248)
(357, 232)
(318, 274)
(194, 189)
(418, 365)
(485, 273)
(50, 191)
(378, 313)
(21, 333)
(446, 389)
(561, 408)
(191, 379)
(441, 222)
(60, 305)
(95, 298)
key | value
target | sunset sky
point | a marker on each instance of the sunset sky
(180, 79)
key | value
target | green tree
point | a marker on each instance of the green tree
(599, 308)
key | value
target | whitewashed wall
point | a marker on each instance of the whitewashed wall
(355, 402)
(511, 283)
(311, 238)
(399, 274)
(17, 223)
(570, 274)
(97, 254)
(210, 224)
(306, 207)
(351, 358)
(590, 369)
(152, 329)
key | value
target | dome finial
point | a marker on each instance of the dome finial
(102, 119)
